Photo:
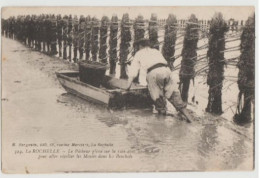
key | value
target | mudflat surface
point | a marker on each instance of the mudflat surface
(36, 109)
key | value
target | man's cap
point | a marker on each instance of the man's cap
(142, 42)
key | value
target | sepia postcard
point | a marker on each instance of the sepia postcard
(128, 89)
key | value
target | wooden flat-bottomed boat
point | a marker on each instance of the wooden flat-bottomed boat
(111, 92)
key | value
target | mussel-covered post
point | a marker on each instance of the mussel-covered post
(5, 25)
(30, 31)
(75, 37)
(46, 42)
(113, 44)
(81, 36)
(215, 55)
(139, 31)
(70, 35)
(94, 38)
(19, 27)
(53, 34)
(12, 22)
(168, 49)
(41, 35)
(59, 33)
(246, 74)
(65, 26)
(189, 56)
(153, 32)
(2, 26)
(125, 44)
(25, 25)
(87, 37)
(37, 31)
(103, 39)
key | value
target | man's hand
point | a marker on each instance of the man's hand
(128, 88)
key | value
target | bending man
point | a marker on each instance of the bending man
(159, 77)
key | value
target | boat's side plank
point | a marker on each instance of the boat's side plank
(114, 96)
(61, 75)
(83, 89)
(74, 92)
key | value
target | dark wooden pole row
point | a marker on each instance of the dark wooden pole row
(89, 35)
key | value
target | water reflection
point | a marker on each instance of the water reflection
(208, 140)
(167, 142)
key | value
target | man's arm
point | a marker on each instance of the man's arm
(132, 71)
(129, 83)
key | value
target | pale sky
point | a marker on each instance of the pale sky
(181, 12)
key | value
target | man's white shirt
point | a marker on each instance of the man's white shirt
(143, 60)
